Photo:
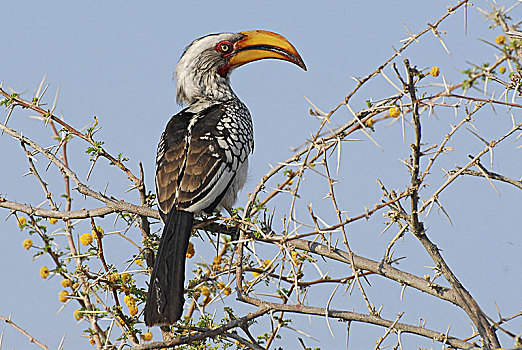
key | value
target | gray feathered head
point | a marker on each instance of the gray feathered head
(204, 69)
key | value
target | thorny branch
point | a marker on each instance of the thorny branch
(465, 300)
(491, 175)
(296, 242)
(18, 328)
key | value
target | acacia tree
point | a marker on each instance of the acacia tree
(267, 267)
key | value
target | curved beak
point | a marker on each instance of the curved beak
(261, 44)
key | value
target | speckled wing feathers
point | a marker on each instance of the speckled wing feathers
(199, 154)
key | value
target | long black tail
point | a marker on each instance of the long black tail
(165, 299)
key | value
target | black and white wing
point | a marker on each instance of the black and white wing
(199, 155)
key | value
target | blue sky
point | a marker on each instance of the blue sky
(115, 61)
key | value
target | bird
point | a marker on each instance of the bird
(202, 155)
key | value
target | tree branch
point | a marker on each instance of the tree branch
(357, 317)
(18, 328)
(205, 334)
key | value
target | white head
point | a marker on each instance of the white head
(197, 71)
(204, 69)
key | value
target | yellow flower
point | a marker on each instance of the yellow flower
(220, 285)
(227, 290)
(264, 263)
(190, 250)
(28, 243)
(133, 310)
(435, 71)
(501, 39)
(66, 283)
(216, 264)
(44, 272)
(52, 221)
(125, 277)
(22, 221)
(86, 238)
(369, 123)
(63, 296)
(76, 285)
(98, 230)
(112, 276)
(502, 70)
(204, 290)
(78, 315)
(206, 300)
(394, 112)
(125, 289)
(147, 336)
(139, 262)
(92, 341)
(129, 300)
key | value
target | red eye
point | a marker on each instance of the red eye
(224, 47)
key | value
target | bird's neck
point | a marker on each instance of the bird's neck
(196, 87)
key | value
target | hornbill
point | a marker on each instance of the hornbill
(202, 157)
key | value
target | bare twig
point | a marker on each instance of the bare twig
(491, 175)
(18, 328)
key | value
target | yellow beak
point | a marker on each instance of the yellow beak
(261, 44)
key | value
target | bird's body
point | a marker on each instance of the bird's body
(202, 153)
(202, 158)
